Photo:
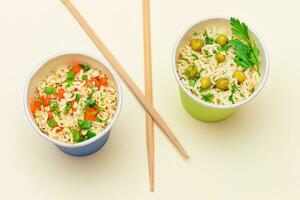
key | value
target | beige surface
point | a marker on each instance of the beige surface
(252, 155)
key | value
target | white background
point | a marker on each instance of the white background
(252, 155)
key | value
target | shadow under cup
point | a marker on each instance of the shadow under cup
(87, 147)
(198, 108)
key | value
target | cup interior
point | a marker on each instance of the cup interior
(221, 23)
(51, 64)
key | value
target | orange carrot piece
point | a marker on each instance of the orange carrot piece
(61, 92)
(32, 107)
(76, 68)
(103, 81)
(47, 101)
(90, 114)
(50, 115)
(37, 105)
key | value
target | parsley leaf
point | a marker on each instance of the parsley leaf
(242, 54)
(224, 47)
(240, 30)
(246, 51)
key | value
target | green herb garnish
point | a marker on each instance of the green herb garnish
(98, 119)
(68, 107)
(54, 106)
(49, 90)
(57, 113)
(84, 77)
(71, 76)
(195, 34)
(208, 97)
(90, 134)
(85, 67)
(207, 54)
(234, 88)
(224, 47)
(77, 98)
(90, 102)
(52, 123)
(208, 40)
(84, 124)
(192, 82)
(76, 135)
(100, 109)
(246, 51)
(195, 57)
(185, 59)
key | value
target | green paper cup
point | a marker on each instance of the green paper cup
(198, 108)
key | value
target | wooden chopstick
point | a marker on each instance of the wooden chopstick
(126, 78)
(148, 90)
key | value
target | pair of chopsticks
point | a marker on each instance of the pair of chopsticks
(147, 104)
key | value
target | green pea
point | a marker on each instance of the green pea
(222, 83)
(222, 39)
(239, 75)
(197, 44)
(205, 83)
(220, 57)
(191, 72)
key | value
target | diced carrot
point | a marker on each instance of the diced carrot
(50, 115)
(97, 84)
(37, 105)
(32, 107)
(90, 114)
(73, 109)
(59, 129)
(47, 101)
(103, 81)
(88, 83)
(61, 92)
(76, 68)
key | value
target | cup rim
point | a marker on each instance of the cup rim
(41, 65)
(216, 106)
